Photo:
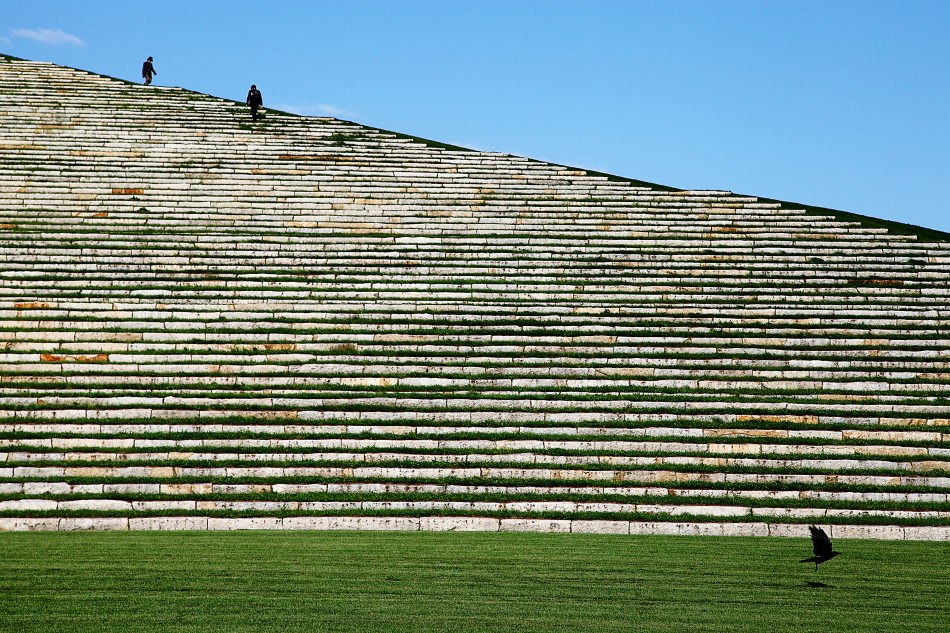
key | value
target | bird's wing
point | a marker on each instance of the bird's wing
(820, 541)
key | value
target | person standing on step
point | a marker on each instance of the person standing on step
(255, 100)
(148, 70)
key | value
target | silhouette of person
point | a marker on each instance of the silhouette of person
(254, 100)
(148, 70)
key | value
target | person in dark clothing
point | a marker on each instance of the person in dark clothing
(148, 70)
(254, 100)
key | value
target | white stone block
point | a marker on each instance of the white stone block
(541, 506)
(100, 524)
(370, 523)
(789, 512)
(148, 489)
(387, 523)
(46, 487)
(169, 523)
(535, 525)
(699, 529)
(28, 504)
(799, 530)
(95, 504)
(154, 506)
(307, 523)
(923, 533)
(252, 523)
(887, 532)
(745, 529)
(459, 524)
(18, 524)
(600, 527)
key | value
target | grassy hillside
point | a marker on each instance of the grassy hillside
(208, 323)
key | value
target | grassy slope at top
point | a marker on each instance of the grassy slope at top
(401, 581)
(897, 228)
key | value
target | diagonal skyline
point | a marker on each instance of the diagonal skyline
(833, 104)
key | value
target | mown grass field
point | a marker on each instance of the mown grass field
(239, 582)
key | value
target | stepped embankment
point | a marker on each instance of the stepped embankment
(306, 323)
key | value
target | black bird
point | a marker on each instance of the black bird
(821, 545)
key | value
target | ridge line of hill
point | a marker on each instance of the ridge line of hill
(898, 228)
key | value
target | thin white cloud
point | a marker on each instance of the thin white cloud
(471, 146)
(49, 37)
(6, 41)
(315, 109)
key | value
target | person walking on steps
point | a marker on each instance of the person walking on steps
(254, 100)
(148, 70)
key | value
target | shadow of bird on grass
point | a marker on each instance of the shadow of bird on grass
(821, 545)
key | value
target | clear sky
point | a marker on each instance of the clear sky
(835, 103)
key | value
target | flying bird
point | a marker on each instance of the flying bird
(821, 545)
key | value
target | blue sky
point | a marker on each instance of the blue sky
(840, 104)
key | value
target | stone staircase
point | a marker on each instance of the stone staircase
(307, 323)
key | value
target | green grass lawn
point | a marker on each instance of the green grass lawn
(402, 581)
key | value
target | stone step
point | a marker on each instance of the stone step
(483, 506)
(557, 432)
(468, 524)
(624, 446)
(43, 489)
(335, 406)
(502, 473)
(683, 454)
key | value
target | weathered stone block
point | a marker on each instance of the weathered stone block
(923, 533)
(535, 525)
(793, 530)
(600, 527)
(168, 523)
(252, 523)
(95, 504)
(18, 524)
(93, 524)
(459, 524)
(889, 532)
(28, 504)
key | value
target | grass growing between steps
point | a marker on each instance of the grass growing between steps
(403, 581)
